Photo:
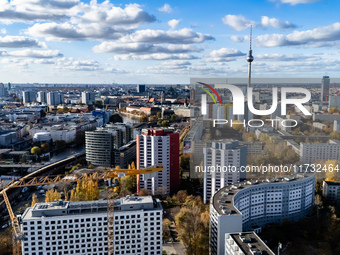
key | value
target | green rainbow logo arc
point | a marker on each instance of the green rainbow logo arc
(209, 93)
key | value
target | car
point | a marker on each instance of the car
(5, 226)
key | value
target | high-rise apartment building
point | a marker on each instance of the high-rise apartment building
(325, 82)
(141, 88)
(158, 147)
(103, 144)
(62, 228)
(222, 162)
(42, 97)
(248, 206)
(29, 96)
(55, 98)
(88, 97)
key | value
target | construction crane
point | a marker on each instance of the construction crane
(110, 176)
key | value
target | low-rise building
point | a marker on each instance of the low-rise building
(310, 153)
(246, 243)
(331, 191)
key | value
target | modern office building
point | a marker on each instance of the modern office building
(310, 153)
(325, 82)
(158, 147)
(29, 96)
(221, 164)
(103, 143)
(88, 97)
(42, 97)
(331, 191)
(250, 205)
(55, 98)
(60, 228)
(141, 88)
(245, 243)
(125, 155)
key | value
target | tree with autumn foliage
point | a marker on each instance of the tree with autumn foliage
(52, 195)
(86, 190)
(34, 199)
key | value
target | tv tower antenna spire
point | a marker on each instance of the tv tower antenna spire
(250, 59)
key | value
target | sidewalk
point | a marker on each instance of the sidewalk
(175, 248)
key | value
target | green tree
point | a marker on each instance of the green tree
(166, 229)
(116, 118)
(23, 159)
(45, 147)
(335, 135)
(173, 117)
(36, 151)
(159, 115)
(143, 119)
(165, 123)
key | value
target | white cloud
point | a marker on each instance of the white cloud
(154, 56)
(94, 21)
(224, 54)
(77, 65)
(3, 31)
(317, 37)
(183, 36)
(144, 48)
(20, 42)
(275, 23)
(35, 53)
(165, 8)
(285, 57)
(239, 22)
(294, 2)
(174, 23)
(150, 42)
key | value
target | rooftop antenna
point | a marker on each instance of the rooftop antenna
(250, 59)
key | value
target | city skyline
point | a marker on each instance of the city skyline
(73, 41)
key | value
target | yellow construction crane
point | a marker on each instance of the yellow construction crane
(111, 176)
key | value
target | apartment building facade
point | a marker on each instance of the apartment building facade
(158, 147)
(250, 205)
(60, 228)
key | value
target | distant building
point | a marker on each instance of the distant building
(312, 152)
(222, 154)
(102, 144)
(158, 147)
(55, 98)
(29, 96)
(334, 101)
(3, 92)
(331, 191)
(125, 155)
(325, 82)
(253, 148)
(250, 205)
(336, 125)
(246, 243)
(42, 97)
(326, 117)
(82, 227)
(141, 88)
(88, 97)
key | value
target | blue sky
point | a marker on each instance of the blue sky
(166, 42)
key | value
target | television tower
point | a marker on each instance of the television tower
(250, 59)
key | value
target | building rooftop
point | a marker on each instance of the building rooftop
(251, 244)
(333, 183)
(223, 200)
(65, 208)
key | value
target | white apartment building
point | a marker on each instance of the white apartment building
(158, 147)
(88, 97)
(42, 97)
(250, 205)
(221, 166)
(331, 191)
(62, 228)
(55, 98)
(310, 153)
(245, 243)
(29, 96)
